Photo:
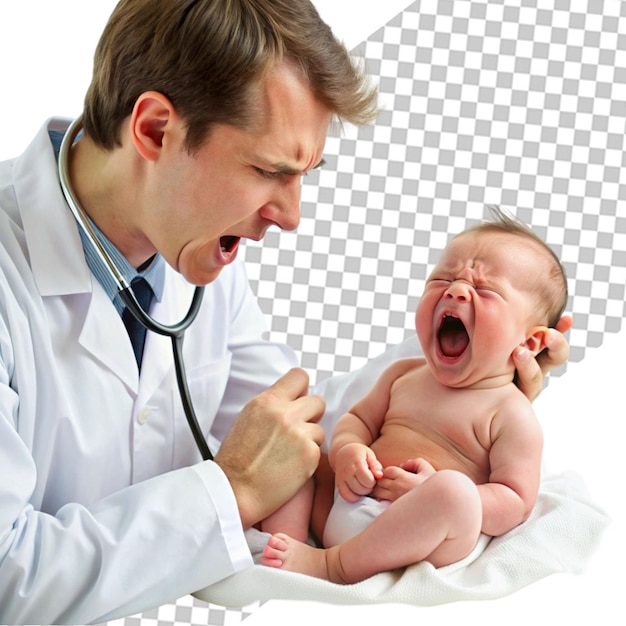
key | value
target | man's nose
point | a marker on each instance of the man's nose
(284, 210)
(459, 290)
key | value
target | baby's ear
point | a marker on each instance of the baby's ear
(536, 339)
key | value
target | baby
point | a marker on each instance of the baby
(443, 447)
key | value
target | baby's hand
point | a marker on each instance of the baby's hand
(356, 471)
(400, 480)
(419, 466)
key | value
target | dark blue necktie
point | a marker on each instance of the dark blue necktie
(137, 332)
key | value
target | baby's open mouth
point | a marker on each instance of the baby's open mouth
(453, 338)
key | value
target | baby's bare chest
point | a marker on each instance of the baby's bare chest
(450, 431)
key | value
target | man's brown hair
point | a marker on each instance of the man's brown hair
(207, 57)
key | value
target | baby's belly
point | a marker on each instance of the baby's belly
(395, 450)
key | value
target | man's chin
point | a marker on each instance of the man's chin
(199, 278)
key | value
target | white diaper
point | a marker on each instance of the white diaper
(347, 519)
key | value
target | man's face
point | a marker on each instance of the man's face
(240, 182)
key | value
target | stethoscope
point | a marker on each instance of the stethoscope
(175, 331)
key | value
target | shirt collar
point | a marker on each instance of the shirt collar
(154, 274)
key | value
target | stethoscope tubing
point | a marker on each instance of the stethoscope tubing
(176, 331)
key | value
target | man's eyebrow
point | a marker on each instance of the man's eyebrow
(283, 168)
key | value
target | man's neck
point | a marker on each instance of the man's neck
(101, 182)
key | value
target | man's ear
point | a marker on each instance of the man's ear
(536, 340)
(152, 114)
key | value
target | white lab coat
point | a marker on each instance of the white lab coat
(105, 507)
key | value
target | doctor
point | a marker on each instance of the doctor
(200, 121)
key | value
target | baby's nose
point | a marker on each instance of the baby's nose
(459, 290)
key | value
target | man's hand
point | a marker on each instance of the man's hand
(531, 371)
(273, 446)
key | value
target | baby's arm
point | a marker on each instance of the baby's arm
(515, 468)
(355, 464)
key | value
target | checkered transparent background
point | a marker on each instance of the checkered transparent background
(513, 104)
(519, 103)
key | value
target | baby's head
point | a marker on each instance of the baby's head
(548, 288)
(496, 286)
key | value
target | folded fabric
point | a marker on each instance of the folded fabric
(561, 534)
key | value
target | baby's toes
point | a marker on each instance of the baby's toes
(274, 551)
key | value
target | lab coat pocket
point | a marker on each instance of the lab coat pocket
(207, 384)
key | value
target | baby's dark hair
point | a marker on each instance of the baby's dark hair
(553, 291)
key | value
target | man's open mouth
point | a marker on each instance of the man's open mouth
(452, 336)
(228, 243)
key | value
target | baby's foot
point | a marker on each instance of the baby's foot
(286, 553)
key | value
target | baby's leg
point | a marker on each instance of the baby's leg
(438, 521)
(294, 516)
(324, 479)
(459, 508)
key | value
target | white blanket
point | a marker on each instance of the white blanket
(560, 536)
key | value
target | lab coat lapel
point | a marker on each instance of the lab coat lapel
(104, 335)
(158, 360)
(58, 261)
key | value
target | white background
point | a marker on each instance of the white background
(46, 48)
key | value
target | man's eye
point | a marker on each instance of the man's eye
(266, 173)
